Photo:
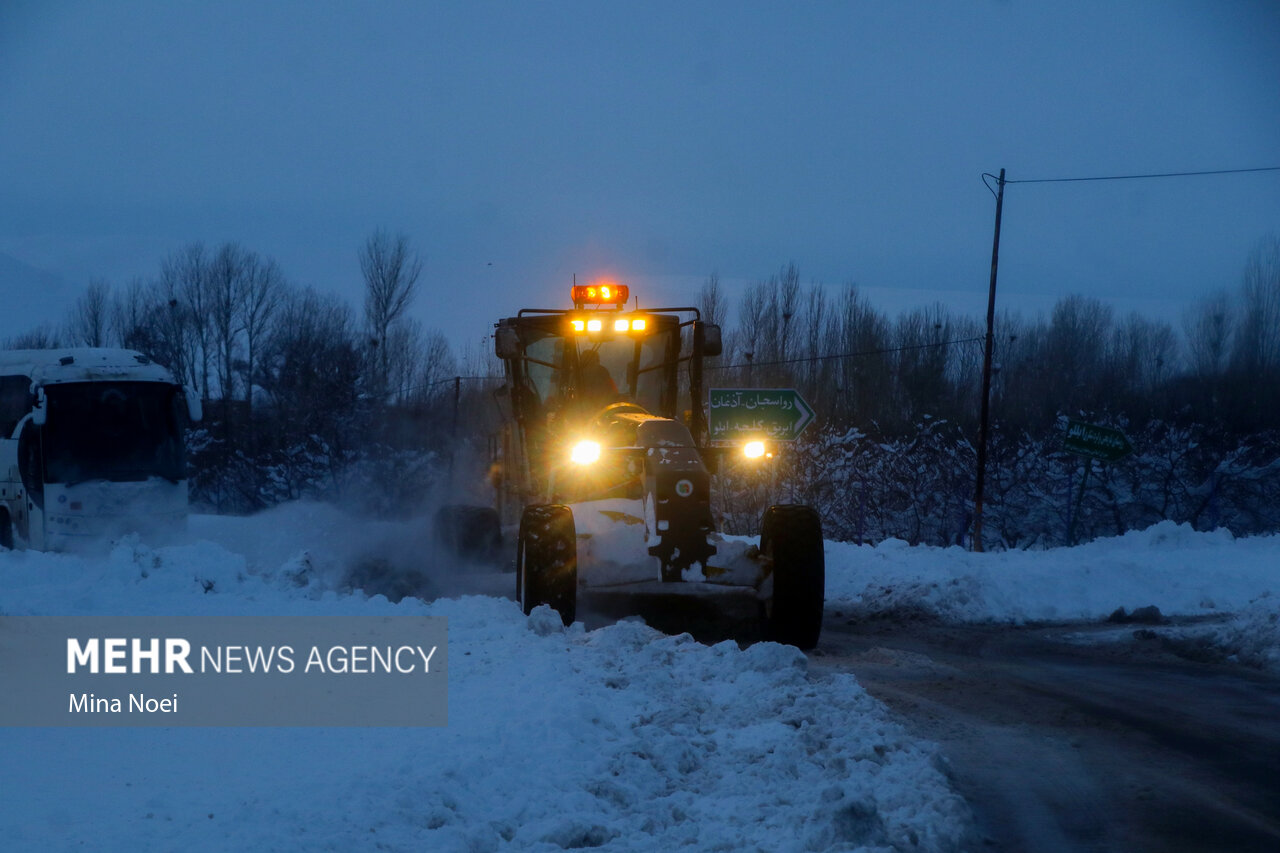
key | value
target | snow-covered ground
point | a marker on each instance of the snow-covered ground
(1182, 572)
(619, 737)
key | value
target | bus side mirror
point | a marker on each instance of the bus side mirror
(195, 408)
(711, 343)
(40, 411)
(506, 343)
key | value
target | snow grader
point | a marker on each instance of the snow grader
(607, 464)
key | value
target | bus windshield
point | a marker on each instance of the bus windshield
(118, 431)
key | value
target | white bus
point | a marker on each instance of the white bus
(91, 447)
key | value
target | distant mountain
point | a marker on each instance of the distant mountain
(30, 297)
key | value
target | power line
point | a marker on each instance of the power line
(885, 351)
(1134, 177)
(801, 360)
(427, 385)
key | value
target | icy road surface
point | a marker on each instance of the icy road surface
(1098, 737)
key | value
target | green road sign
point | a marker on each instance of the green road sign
(1096, 442)
(738, 414)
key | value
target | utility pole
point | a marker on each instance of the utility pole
(986, 375)
(453, 444)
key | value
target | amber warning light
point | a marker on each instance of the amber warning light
(624, 323)
(600, 293)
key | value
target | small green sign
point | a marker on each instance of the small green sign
(739, 414)
(1096, 442)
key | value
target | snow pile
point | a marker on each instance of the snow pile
(1169, 566)
(1253, 635)
(1175, 568)
(621, 737)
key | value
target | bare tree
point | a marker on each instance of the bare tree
(921, 341)
(309, 369)
(753, 327)
(817, 370)
(1143, 353)
(784, 305)
(711, 302)
(862, 332)
(226, 280)
(964, 365)
(437, 361)
(184, 279)
(133, 317)
(1258, 334)
(173, 326)
(403, 351)
(1075, 349)
(263, 289)
(1208, 326)
(89, 323)
(420, 361)
(41, 337)
(391, 271)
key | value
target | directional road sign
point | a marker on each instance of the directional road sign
(1096, 442)
(738, 414)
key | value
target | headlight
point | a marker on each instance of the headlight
(753, 449)
(585, 452)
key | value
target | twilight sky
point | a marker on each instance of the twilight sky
(517, 144)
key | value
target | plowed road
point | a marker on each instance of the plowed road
(1080, 738)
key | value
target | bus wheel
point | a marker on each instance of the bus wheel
(791, 536)
(547, 560)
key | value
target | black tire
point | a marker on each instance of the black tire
(547, 560)
(791, 536)
(473, 532)
(6, 531)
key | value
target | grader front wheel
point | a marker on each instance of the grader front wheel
(547, 560)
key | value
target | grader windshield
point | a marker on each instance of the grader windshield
(579, 382)
(583, 369)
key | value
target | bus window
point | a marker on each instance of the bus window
(15, 402)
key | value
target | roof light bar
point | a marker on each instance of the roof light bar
(601, 293)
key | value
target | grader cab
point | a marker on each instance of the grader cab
(606, 462)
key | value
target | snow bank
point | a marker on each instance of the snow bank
(1173, 567)
(621, 737)
(1179, 570)
(1253, 635)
